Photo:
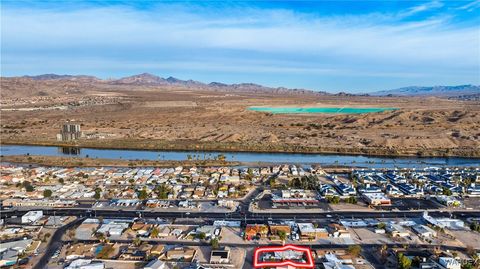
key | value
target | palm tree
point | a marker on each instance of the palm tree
(155, 232)
(283, 236)
(137, 242)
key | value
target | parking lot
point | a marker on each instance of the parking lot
(265, 203)
(411, 204)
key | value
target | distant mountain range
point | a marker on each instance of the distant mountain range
(441, 91)
(60, 77)
(146, 79)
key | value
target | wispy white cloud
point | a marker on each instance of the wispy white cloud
(422, 7)
(470, 6)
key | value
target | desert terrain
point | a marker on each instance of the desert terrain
(148, 112)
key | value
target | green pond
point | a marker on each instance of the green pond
(325, 110)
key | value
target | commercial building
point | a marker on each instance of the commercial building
(338, 230)
(424, 231)
(256, 230)
(377, 199)
(38, 203)
(454, 224)
(397, 230)
(220, 255)
(309, 232)
(85, 264)
(294, 197)
(278, 228)
(32, 216)
(448, 200)
(113, 228)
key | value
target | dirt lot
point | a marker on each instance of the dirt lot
(164, 117)
(467, 238)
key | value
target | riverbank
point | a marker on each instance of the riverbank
(95, 162)
(243, 158)
(191, 145)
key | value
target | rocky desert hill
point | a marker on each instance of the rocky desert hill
(147, 111)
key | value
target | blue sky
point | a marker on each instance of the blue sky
(355, 46)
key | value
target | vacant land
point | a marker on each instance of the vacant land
(184, 117)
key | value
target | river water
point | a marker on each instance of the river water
(249, 157)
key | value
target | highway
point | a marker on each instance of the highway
(248, 216)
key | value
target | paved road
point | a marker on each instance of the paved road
(55, 243)
(257, 244)
(108, 213)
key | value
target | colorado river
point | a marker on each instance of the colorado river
(250, 157)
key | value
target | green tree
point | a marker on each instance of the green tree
(98, 193)
(333, 199)
(475, 226)
(47, 193)
(403, 261)
(142, 195)
(214, 243)
(162, 191)
(351, 200)
(61, 181)
(137, 242)
(201, 235)
(154, 233)
(100, 236)
(29, 188)
(447, 192)
(416, 261)
(282, 235)
(381, 225)
(354, 250)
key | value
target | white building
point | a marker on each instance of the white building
(85, 264)
(454, 224)
(377, 198)
(424, 231)
(32, 216)
(113, 228)
(397, 230)
(449, 263)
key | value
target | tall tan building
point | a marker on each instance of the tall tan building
(69, 132)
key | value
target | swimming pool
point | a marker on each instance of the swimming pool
(324, 110)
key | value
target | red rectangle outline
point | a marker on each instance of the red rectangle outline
(309, 263)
